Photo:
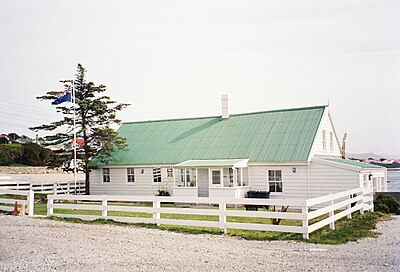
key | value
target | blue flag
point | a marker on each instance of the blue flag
(65, 97)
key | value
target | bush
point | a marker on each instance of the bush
(379, 207)
(387, 204)
(163, 191)
(26, 154)
(35, 155)
(10, 153)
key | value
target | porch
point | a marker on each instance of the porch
(211, 178)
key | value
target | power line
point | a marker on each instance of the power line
(26, 110)
(21, 118)
(13, 104)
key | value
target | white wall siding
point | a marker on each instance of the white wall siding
(143, 185)
(328, 127)
(325, 179)
(316, 181)
(294, 184)
(305, 181)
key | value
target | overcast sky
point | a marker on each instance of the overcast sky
(173, 59)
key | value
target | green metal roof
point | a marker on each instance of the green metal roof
(356, 163)
(213, 163)
(270, 136)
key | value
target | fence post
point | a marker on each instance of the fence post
(31, 201)
(306, 234)
(55, 188)
(104, 206)
(371, 194)
(362, 202)
(50, 202)
(156, 211)
(349, 207)
(68, 188)
(331, 214)
(222, 216)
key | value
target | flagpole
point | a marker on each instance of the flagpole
(74, 139)
(73, 99)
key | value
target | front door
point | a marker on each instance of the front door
(202, 183)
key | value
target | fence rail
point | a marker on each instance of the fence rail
(335, 206)
(62, 187)
(29, 202)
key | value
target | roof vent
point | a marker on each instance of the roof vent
(226, 106)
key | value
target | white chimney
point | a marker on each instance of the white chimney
(226, 106)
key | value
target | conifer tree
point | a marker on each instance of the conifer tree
(95, 114)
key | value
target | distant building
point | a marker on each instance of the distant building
(4, 139)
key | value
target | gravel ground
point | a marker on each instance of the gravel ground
(29, 244)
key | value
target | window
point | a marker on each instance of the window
(275, 180)
(227, 177)
(157, 174)
(130, 174)
(216, 177)
(324, 140)
(239, 176)
(106, 175)
(186, 177)
(331, 141)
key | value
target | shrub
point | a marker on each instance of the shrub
(387, 204)
(26, 154)
(10, 153)
(35, 155)
(163, 191)
(379, 207)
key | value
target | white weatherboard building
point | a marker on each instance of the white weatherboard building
(293, 153)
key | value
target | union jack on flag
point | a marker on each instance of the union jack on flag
(65, 96)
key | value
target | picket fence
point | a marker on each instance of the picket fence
(28, 202)
(62, 187)
(336, 206)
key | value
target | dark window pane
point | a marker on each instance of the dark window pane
(272, 187)
(278, 175)
(279, 187)
(216, 177)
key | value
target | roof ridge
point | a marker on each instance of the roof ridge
(219, 116)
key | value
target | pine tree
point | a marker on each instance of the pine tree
(95, 114)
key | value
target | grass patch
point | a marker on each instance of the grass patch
(345, 230)
(361, 226)
(22, 197)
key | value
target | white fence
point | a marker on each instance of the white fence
(30, 195)
(63, 187)
(344, 203)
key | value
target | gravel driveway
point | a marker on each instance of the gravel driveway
(28, 244)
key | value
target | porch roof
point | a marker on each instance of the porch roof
(213, 163)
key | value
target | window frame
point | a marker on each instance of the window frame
(157, 177)
(324, 145)
(106, 177)
(130, 172)
(276, 181)
(220, 184)
(331, 141)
